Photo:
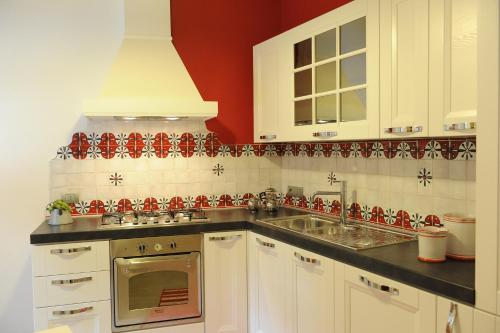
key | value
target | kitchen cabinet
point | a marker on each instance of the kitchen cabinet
(225, 282)
(366, 302)
(404, 68)
(451, 315)
(453, 67)
(267, 64)
(311, 292)
(267, 281)
(321, 77)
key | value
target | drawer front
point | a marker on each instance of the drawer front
(68, 258)
(71, 288)
(92, 317)
(382, 287)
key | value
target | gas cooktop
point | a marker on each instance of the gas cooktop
(152, 218)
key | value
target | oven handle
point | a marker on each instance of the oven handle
(134, 266)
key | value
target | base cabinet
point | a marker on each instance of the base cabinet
(454, 316)
(370, 303)
(225, 282)
(92, 317)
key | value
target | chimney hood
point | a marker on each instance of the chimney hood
(148, 79)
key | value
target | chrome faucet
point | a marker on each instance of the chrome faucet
(341, 194)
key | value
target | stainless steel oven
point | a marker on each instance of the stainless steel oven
(157, 281)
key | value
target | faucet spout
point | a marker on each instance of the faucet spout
(341, 194)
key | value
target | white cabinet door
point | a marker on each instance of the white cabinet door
(404, 68)
(267, 284)
(312, 298)
(453, 66)
(371, 303)
(266, 65)
(92, 317)
(454, 316)
(225, 282)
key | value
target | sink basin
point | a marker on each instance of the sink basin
(355, 236)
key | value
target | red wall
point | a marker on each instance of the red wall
(214, 39)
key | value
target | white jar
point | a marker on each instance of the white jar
(461, 236)
(432, 244)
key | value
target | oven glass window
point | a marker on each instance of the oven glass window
(156, 289)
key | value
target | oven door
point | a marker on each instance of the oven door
(159, 288)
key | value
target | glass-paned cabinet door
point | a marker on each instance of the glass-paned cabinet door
(330, 76)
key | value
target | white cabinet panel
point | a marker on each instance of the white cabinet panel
(312, 292)
(225, 282)
(267, 284)
(463, 316)
(453, 65)
(81, 318)
(404, 67)
(71, 288)
(370, 303)
(70, 258)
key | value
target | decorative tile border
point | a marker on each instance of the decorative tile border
(163, 145)
(358, 212)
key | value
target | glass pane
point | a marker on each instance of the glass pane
(303, 112)
(326, 109)
(353, 36)
(353, 105)
(303, 53)
(326, 77)
(303, 83)
(161, 288)
(353, 71)
(326, 45)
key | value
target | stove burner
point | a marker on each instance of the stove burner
(153, 217)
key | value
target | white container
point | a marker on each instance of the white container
(58, 217)
(432, 244)
(461, 237)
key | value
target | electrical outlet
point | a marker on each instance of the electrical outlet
(70, 197)
(295, 191)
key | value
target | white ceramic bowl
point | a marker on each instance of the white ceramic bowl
(432, 244)
(462, 236)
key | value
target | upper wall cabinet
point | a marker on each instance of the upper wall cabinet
(404, 68)
(453, 67)
(320, 80)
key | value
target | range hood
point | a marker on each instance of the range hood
(148, 79)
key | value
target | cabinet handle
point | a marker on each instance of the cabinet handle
(268, 137)
(306, 259)
(224, 238)
(324, 134)
(403, 130)
(74, 250)
(73, 312)
(71, 281)
(377, 286)
(266, 244)
(460, 126)
(451, 318)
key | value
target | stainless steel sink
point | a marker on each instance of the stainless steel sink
(355, 236)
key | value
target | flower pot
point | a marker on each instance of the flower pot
(58, 217)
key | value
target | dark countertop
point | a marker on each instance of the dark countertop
(452, 279)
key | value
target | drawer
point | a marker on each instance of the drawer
(382, 287)
(71, 288)
(92, 317)
(68, 258)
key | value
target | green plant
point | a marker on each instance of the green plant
(60, 205)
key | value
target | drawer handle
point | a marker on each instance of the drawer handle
(224, 238)
(451, 318)
(268, 137)
(72, 281)
(72, 312)
(306, 259)
(460, 126)
(377, 286)
(405, 129)
(266, 244)
(74, 250)
(329, 134)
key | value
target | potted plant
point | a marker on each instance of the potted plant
(60, 213)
